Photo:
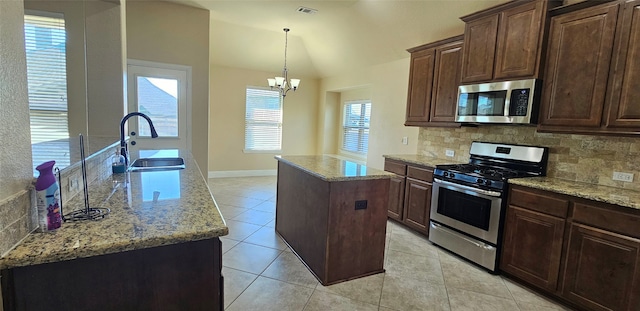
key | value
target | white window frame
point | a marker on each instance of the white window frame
(249, 121)
(42, 101)
(343, 126)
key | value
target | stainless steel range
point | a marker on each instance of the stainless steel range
(468, 201)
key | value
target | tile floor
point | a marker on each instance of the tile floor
(261, 273)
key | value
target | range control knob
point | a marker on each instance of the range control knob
(445, 174)
(487, 182)
(480, 181)
(452, 175)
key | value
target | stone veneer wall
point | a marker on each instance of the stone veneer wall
(585, 158)
(17, 215)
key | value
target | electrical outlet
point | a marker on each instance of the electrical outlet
(73, 184)
(449, 153)
(405, 140)
(361, 204)
(621, 176)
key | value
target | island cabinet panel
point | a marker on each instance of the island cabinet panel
(533, 246)
(625, 83)
(183, 276)
(577, 68)
(336, 227)
(417, 205)
(479, 49)
(603, 270)
(420, 85)
(518, 41)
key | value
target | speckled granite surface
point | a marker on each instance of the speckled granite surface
(333, 169)
(148, 209)
(611, 195)
(419, 159)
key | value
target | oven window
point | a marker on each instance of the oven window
(472, 210)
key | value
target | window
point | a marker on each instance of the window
(355, 129)
(45, 43)
(263, 120)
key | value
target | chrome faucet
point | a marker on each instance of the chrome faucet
(124, 150)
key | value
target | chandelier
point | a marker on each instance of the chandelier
(281, 82)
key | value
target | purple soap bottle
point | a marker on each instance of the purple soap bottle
(48, 198)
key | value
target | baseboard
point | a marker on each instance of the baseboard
(244, 173)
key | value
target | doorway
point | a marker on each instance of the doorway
(162, 92)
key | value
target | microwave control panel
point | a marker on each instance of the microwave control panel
(519, 102)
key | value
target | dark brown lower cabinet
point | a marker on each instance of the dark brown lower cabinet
(417, 205)
(584, 253)
(396, 197)
(603, 269)
(534, 249)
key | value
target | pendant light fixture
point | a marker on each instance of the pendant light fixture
(283, 83)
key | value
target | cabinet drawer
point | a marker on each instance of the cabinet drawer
(605, 218)
(540, 201)
(424, 174)
(395, 167)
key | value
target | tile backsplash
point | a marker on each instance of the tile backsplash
(585, 158)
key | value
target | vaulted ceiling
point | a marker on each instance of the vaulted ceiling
(342, 36)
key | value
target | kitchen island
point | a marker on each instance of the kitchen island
(158, 249)
(333, 213)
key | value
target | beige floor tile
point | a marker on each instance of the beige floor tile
(464, 300)
(235, 282)
(529, 300)
(240, 230)
(266, 206)
(411, 294)
(271, 224)
(228, 211)
(366, 289)
(250, 258)
(237, 201)
(413, 244)
(266, 294)
(262, 195)
(255, 217)
(404, 265)
(322, 301)
(266, 236)
(463, 275)
(227, 244)
(288, 268)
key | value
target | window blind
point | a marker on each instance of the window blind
(355, 130)
(45, 44)
(263, 120)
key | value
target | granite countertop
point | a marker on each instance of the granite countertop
(611, 195)
(330, 168)
(420, 159)
(148, 209)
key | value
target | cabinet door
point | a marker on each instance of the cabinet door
(625, 84)
(479, 49)
(532, 247)
(445, 83)
(417, 204)
(518, 41)
(602, 269)
(396, 197)
(420, 86)
(578, 59)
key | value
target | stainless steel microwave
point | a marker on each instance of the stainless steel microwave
(499, 102)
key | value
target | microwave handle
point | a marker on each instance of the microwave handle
(463, 187)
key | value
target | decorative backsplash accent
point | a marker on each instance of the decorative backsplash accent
(584, 158)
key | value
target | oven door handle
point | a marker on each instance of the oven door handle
(463, 187)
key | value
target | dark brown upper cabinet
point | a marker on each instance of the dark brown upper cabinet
(592, 74)
(505, 41)
(433, 83)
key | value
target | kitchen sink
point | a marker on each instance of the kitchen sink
(157, 164)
